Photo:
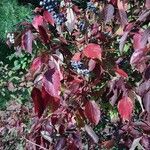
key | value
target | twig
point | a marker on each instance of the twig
(35, 144)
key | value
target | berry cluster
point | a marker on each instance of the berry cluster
(91, 7)
(52, 6)
(79, 67)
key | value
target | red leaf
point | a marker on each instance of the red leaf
(76, 57)
(92, 51)
(27, 38)
(36, 65)
(50, 100)
(44, 35)
(114, 2)
(51, 82)
(48, 18)
(121, 72)
(37, 21)
(92, 112)
(125, 108)
(39, 106)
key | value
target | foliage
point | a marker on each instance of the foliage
(12, 14)
(90, 74)
(13, 84)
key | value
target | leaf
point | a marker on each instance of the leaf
(122, 13)
(147, 73)
(136, 56)
(46, 136)
(121, 72)
(48, 18)
(144, 15)
(124, 37)
(92, 51)
(37, 21)
(108, 144)
(92, 112)
(125, 108)
(147, 4)
(39, 106)
(60, 143)
(123, 41)
(27, 39)
(91, 64)
(49, 100)
(35, 66)
(146, 101)
(43, 34)
(145, 36)
(137, 41)
(135, 143)
(71, 19)
(108, 13)
(114, 2)
(51, 82)
(145, 141)
(91, 133)
(143, 88)
(76, 57)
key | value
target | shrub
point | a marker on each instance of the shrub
(90, 74)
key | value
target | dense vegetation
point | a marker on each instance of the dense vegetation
(89, 76)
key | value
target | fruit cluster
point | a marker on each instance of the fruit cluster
(52, 6)
(91, 7)
(80, 68)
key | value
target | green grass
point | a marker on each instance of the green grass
(11, 13)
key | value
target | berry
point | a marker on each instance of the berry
(52, 6)
(91, 7)
(79, 67)
(82, 26)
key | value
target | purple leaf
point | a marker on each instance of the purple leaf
(122, 13)
(136, 57)
(144, 15)
(51, 82)
(147, 4)
(91, 133)
(143, 88)
(146, 101)
(38, 101)
(108, 13)
(43, 34)
(145, 36)
(27, 39)
(92, 112)
(124, 37)
(147, 73)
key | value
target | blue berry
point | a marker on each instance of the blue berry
(91, 7)
(79, 67)
(52, 6)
